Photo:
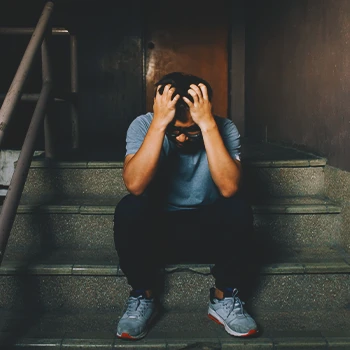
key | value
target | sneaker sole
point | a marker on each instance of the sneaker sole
(217, 319)
(130, 337)
(141, 335)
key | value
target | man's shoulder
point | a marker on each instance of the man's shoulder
(140, 124)
(143, 118)
(225, 125)
(222, 121)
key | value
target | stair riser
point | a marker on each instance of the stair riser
(183, 291)
(74, 182)
(283, 232)
(288, 232)
(260, 182)
(105, 322)
(62, 230)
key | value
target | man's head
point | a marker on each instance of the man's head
(181, 82)
(182, 131)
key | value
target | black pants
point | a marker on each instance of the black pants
(146, 238)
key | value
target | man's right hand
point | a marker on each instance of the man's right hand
(164, 106)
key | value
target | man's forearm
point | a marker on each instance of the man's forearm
(225, 171)
(140, 169)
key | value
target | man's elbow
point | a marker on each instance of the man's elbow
(134, 189)
(136, 193)
(229, 191)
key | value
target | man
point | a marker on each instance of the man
(182, 169)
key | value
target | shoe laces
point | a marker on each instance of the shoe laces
(137, 306)
(233, 304)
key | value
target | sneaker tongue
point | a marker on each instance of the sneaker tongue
(228, 292)
(138, 292)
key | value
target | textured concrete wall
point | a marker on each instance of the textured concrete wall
(297, 75)
(338, 188)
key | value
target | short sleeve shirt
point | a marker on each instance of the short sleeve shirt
(184, 179)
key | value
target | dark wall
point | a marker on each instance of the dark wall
(111, 92)
(296, 68)
(298, 75)
(110, 58)
(115, 63)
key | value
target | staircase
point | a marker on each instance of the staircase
(61, 287)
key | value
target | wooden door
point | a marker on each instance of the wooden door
(191, 37)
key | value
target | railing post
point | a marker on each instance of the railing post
(14, 94)
(9, 208)
(47, 78)
(74, 90)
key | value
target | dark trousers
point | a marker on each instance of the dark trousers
(146, 238)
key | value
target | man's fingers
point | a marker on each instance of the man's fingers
(194, 95)
(204, 91)
(171, 91)
(188, 102)
(197, 90)
(175, 99)
(166, 88)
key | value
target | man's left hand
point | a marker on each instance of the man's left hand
(200, 108)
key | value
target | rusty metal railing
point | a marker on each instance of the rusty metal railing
(40, 37)
(71, 97)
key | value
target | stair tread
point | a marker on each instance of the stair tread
(272, 150)
(258, 153)
(175, 328)
(105, 262)
(104, 204)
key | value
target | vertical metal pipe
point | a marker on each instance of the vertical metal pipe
(16, 88)
(74, 90)
(47, 77)
(46, 63)
(19, 177)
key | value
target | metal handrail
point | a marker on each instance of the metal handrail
(16, 88)
(13, 96)
(20, 31)
(35, 98)
(70, 97)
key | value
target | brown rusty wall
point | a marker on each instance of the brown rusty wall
(298, 75)
(190, 38)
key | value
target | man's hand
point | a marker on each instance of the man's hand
(200, 108)
(164, 106)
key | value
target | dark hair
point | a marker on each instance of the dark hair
(181, 82)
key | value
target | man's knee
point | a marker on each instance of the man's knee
(130, 206)
(129, 212)
(236, 206)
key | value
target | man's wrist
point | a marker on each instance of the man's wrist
(208, 126)
(157, 126)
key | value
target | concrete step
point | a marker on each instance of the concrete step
(101, 178)
(281, 223)
(62, 280)
(173, 330)
(271, 181)
(271, 170)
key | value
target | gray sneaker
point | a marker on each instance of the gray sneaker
(230, 313)
(137, 317)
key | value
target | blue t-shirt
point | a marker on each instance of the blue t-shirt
(184, 180)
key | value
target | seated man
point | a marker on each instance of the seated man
(183, 171)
